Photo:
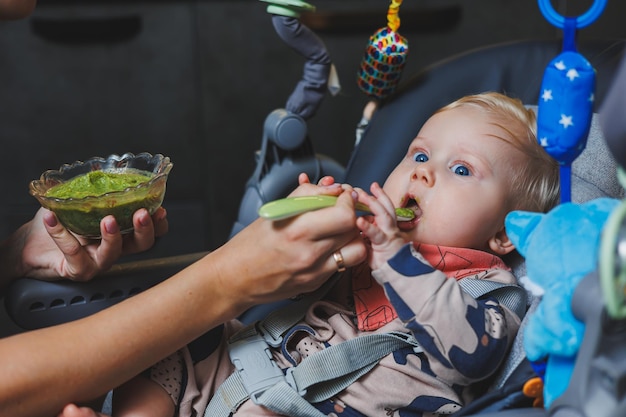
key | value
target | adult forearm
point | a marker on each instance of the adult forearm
(81, 360)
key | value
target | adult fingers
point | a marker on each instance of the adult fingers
(110, 246)
(145, 229)
(77, 263)
(351, 254)
(296, 255)
(71, 410)
(161, 223)
(326, 231)
(331, 221)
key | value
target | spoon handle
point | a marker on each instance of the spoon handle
(293, 206)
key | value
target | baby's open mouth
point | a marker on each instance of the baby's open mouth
(412, 204)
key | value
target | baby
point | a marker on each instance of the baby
(471, 163)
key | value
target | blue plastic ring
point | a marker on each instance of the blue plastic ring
(582, 21)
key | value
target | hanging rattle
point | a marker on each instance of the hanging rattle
(384, 57)
(564, 115)
(567, 94)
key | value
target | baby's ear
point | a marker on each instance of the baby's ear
(500, 243)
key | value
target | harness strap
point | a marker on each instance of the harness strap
(232, 394)
(330, 371)
(511, 296)
(316, 378)
(277, 322)
(284, 400)
(326, 373)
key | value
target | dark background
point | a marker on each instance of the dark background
(194, 80)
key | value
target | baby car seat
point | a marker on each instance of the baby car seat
(286, 151)
(516, 69)
(513, 68)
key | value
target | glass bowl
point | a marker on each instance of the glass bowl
(82, 213)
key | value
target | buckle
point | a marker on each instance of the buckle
(267, 335)
(253, 361)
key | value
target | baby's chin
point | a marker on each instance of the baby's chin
(410, 235)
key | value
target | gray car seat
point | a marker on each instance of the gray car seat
(517, 70)
(513, 68)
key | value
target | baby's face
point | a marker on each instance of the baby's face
(457, 177)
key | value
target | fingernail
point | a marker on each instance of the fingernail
(110, 225)
(144, 218)
(355, 196)
(51, 220)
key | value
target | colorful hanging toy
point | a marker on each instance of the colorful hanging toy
(384, 57)
(565, 110)
(567, 94)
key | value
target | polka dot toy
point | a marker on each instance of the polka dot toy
(384, 58)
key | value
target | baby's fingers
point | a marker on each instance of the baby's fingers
(383, 199)
(312, 189)
(370, 230)
(384, 212)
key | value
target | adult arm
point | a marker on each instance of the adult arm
(83, 359)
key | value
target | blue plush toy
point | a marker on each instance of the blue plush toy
(560, 248)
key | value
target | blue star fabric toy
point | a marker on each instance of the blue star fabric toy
(566, 106)
(567, 94)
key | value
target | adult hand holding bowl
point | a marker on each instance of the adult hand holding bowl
(83, 193)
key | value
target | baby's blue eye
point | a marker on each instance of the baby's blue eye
(420, 157)
(459, 169)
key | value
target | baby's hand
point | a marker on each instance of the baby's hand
(326, 181)
(381, 229)
(325, 186)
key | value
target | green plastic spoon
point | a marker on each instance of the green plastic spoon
(292, 206)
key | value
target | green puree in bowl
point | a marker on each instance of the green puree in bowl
(96, 183)
(81, 202)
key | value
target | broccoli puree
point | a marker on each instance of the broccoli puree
(96, 183)
(405, 212)
(82, 215)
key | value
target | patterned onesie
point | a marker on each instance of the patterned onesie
(464, 340)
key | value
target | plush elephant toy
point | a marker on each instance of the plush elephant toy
(560, 248)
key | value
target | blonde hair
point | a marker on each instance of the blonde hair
(535, 185)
